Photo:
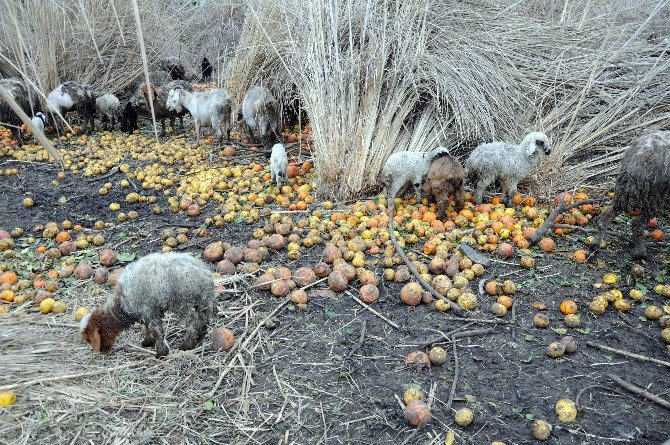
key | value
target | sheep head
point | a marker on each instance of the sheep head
(101, 327)
(536, 143)
(174, 99)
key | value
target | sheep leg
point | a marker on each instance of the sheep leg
(113, 122)
(417, 192)
(605, 221)
(196, 326)
(459, 197)
(16, 134)
(155, 328)
(197, 133)
(163, 127)
(181, 123)
(638, 251)
(481, 187)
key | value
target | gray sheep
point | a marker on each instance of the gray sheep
(161, 109)
(72, 96)
(408, 169)
(147, 288)
(446, 178)
(16, 89)
(643, 183)
(261, 114)
(507, 162)
(108, 109)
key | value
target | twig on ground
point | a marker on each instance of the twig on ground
(359, 343)
(358, 300)
(454, 382)
(474, 255)
(628, 354)
(462, 334)
(639, 391)
(549, 221)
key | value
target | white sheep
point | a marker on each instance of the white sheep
(108, 108)
(209, 108)
(39, 121)
(260, 113)
(278, 164)
(71, 96)
(408, 169)
(507, 162)
(147, 288)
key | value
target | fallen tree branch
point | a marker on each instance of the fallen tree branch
(452, 392)
(461, 334)
(639, 391)
(546, 225)
(458, 310)
(643, 358)
(474, 255)
(367, 307)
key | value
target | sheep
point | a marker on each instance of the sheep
(108, 108)
(278, 164)
(509, 163)
(39, 121)
(128, 118)
(643, 183)
(177, 69)
(206, 69)
(72, 96)
(147, 288)
(161, 110)
(17, 90)
(260, 113)
(445, 177)
(209, 108)
(408, 168)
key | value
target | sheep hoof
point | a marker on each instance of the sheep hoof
(148, 342)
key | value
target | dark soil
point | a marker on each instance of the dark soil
(318, 391)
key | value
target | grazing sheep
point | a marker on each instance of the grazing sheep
(209, 108)
(177, 69)
(72, 96)
(17, 90)
(278, 164)
(509, 163)
(161, 110)
(445, 178)
(643, 183)
(260, 113)
(408, 169)
(128, 118)
(108, 109)
(147, 288)
(206, 69)
(39, 121)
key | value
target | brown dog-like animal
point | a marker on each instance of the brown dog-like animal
(445, 178)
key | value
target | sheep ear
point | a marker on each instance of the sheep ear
(531, 149)
(95, 340)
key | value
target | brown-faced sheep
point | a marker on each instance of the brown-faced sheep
(147, 288)
(445, 178)
(643, 184)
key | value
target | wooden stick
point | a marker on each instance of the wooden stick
(639, 391)
(461, 334)
(474, 255)
(360, 341)
(64, 377)
(358, 300)
(453, 383)
(546, 225)
(644, 358)
(458, 310)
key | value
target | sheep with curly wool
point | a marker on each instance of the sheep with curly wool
(211, 108)
(445, 178)
(405, 169)
(145, 291)
(643, 184)
(507, 162)
(278, 164)
(260, 114)
(108, 109)
(17, 91)
(72, 96)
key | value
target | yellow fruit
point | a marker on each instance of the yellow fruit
(665, 335)
(540, 430)
(610, 278)
(412, 394)
(7, 398)
(566, 410)
(635, 294)
(442, 305)
(622, 305)
(58, 307)
(114, 207)
(46, 305)
(653, 312)
(464, 417)
(79, 313)
(437, 355)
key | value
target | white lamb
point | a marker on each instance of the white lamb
(507, 162)
(39, 121)
(210, 108)
(278, 164)
(72, 96)
(408, 169)
(108, 108)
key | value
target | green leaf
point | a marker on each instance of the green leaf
(584, 330)
(529, 337)
(126, 257)
(208, 405)
(470, 398)
(517, 410)
(643, 318)
(561, 331)
(528, 360)
(530, 416)
(329, 312)
(122, 235)
(310, 325)
(608, 357)
(348, 330)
